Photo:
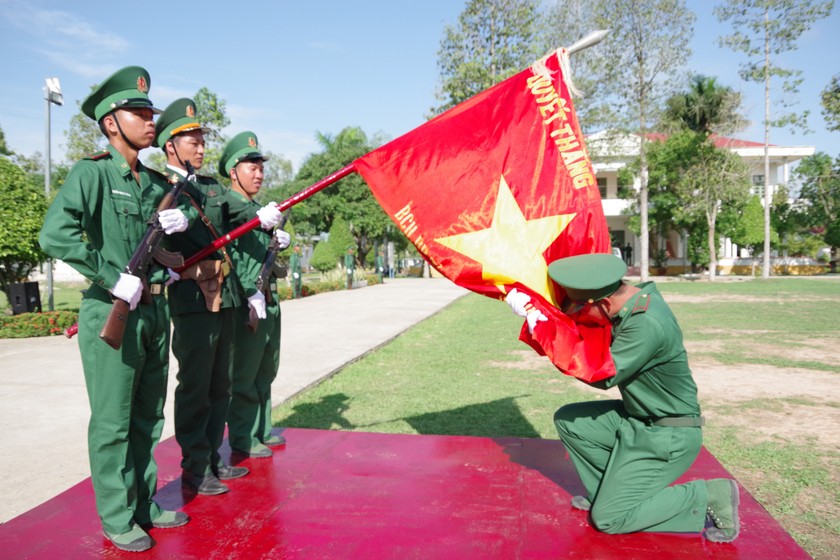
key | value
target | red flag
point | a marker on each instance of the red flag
(492, 191)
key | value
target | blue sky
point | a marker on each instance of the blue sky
(289, 69)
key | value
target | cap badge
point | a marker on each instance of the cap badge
(252, 142)
(142, 86)
(190, 111)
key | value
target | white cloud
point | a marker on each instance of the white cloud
(66, 39)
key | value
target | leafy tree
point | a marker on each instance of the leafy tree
(83, 136)
(493, 40)
(749, 230)
(4, 149)
(341, 238)
(22, 210)
(763, 28)
(323, 258)
(278, 171)
(349, 199)
(715, 177)
(562, 23)
(820, 195)
(641, 58)
(830, 101)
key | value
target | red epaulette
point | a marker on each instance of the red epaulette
(98, 155)
(642, 303)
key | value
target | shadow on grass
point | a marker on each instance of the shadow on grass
(321, 415)
(498, 418)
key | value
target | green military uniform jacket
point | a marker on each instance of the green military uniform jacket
(651, 363)
(224, 211)
(250, 247)
(100, 215)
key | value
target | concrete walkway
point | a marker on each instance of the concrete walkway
(43, 403)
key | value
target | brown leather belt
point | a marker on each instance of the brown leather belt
(675, 421)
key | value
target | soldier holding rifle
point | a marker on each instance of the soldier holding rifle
(256, 348)
(203, 304)
(95, 224)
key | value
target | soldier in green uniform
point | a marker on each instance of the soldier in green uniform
(297, 274)
(256, 356)
(379, 263)
(95, 224)
(628, 452)
(203, 304)
(350, 266)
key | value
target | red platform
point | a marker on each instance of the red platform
(352, 495)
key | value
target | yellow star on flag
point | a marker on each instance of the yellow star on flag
(510, 250)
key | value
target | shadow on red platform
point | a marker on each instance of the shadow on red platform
(354, 495)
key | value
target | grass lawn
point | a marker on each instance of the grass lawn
(464, 372)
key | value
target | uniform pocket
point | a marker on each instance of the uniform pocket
(128, 216)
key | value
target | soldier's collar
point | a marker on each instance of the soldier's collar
(177, 170)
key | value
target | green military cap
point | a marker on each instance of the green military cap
(242, 147)
(588, 277)
(177, 118)
(128, 87)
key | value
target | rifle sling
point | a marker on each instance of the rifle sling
(211, 227)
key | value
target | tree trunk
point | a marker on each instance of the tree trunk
(765, 268)
(711, 219)
(644, 235)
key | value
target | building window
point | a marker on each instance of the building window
(758, 180)
(602, 187)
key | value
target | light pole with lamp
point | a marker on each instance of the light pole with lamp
(52, 93)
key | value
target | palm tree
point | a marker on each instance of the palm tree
(706, 108)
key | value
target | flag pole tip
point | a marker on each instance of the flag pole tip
(590, 39)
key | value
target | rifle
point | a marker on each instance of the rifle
(149, 248)
(264, 277)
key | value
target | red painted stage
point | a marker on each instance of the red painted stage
(351, 495)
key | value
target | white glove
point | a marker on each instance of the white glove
(172, 220)
(128, 288)
(173, 277)
(257, 303)
(517, 301)
(295, 275)
(533, 318)
(283, 238)
(269, 215)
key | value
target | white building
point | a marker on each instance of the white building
(610, 152)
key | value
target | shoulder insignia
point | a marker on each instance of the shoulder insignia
(211, 193)
(641, 304)
(98, 155)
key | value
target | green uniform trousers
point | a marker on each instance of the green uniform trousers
(297, 286)
(126, 389)
(627, 468)
(203, 344)
(255, 363)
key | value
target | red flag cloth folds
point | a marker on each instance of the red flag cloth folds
(492, 191)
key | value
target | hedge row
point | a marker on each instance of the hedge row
(51, 323)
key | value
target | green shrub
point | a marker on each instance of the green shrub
(48, 323)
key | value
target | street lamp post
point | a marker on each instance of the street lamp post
(52, 93)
